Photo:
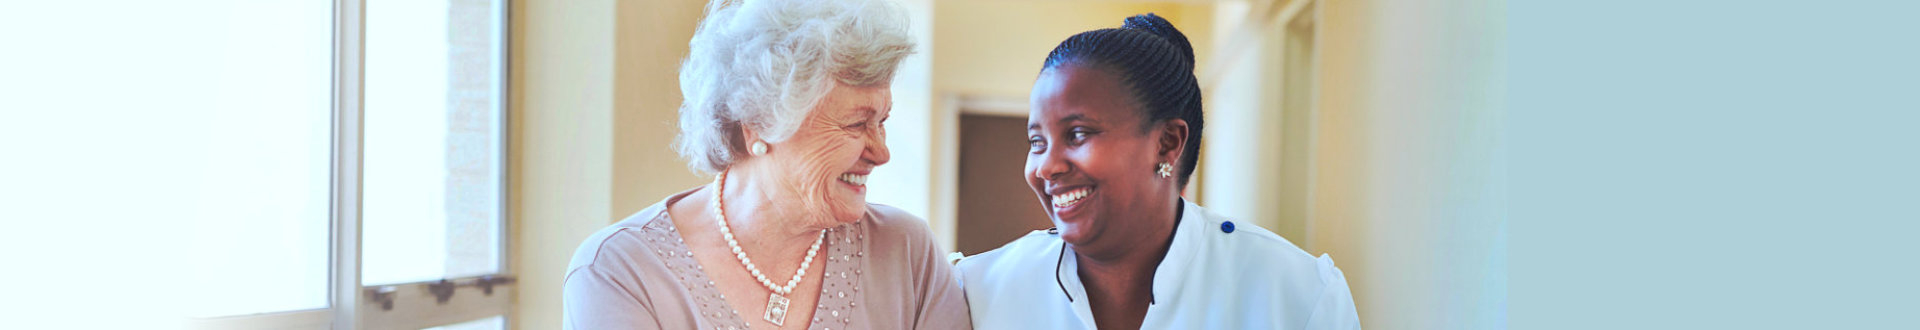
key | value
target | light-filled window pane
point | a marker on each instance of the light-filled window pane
(261, 210)
(433, 134)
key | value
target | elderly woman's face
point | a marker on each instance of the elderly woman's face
(1089, 160)
(836, 147)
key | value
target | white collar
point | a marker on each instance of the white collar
(1167, 277)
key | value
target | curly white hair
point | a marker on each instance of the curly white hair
(762, 65)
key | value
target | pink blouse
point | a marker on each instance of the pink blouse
(882, 272)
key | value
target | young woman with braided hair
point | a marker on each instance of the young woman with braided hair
(1114, 133)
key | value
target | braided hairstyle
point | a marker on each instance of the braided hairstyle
(1155, 62)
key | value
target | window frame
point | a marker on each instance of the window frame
(352, 305)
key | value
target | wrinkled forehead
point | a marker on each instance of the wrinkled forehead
(845, 102)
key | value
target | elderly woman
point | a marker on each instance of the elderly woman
(786, 102)
(1114, 133)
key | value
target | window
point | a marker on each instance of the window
(432, 129)
(366, 188)
(266, 204)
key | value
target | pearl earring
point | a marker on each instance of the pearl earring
(758, 148)
(1165, 170)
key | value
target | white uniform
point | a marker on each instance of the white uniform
(1218, 274)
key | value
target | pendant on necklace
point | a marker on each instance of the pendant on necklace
(776, 309)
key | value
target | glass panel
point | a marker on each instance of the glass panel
(491, 323)
(261, 208)
(432, 189)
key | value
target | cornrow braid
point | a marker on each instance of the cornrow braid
(1155, 61)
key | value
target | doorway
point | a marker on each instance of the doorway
(995, 204)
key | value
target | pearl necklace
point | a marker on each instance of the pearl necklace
(777, 302)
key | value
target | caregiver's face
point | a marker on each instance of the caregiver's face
(1089, 160)
(840, 142)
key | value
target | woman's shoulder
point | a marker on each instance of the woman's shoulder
(888, 222)
(620, 243)
(1037, 250)
(1249, 245)
(897, 241)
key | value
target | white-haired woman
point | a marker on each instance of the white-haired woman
(786, 102)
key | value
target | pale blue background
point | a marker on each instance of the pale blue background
(1705, 164)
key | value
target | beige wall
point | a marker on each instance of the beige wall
(594, 98)
(993, 48)
(560, 126)
(1410, 194)
(1404, 175)
(650, 40)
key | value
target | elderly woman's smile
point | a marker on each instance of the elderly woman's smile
(785, 103)
(841, 142)
(857, 180)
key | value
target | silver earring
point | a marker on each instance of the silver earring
(758, 148)
(1165, 170)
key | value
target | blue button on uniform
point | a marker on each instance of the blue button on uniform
(1226, 227)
